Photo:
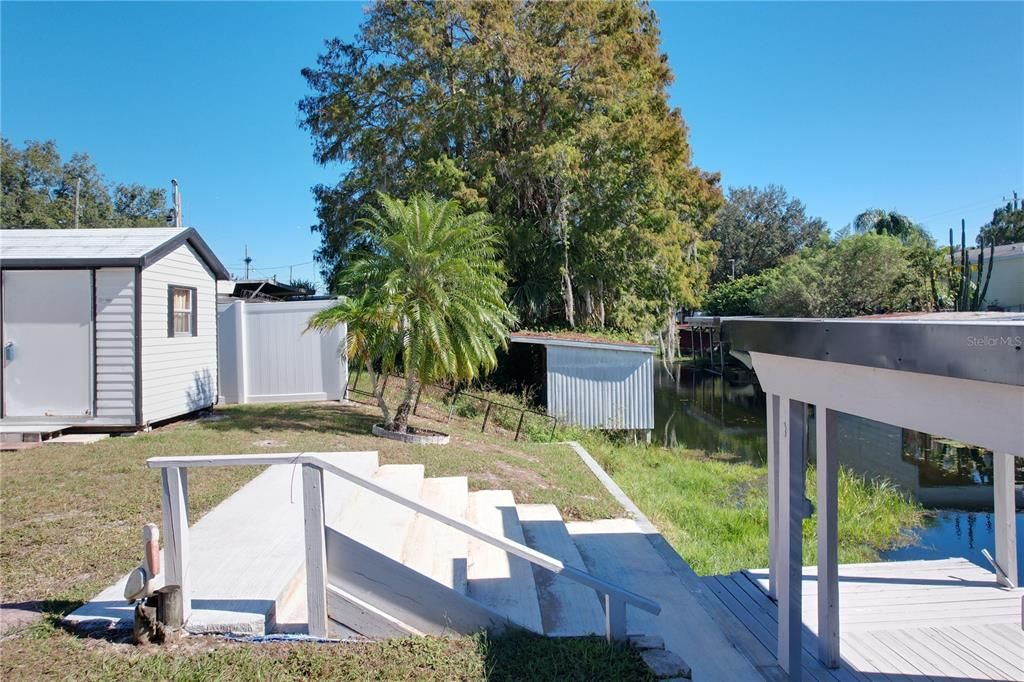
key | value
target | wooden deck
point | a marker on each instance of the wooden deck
(910, 620)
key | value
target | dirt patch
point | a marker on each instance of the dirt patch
(521, 475)
(14, 617)
(270, 443)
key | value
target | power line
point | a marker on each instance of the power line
(961, 208)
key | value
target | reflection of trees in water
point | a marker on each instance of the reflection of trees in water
(941, 461)
(703, 411)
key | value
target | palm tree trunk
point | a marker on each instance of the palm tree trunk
(378, 391)
(401, 422)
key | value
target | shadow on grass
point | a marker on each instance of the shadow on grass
(520, 655)
(50, 615)
(321, 418)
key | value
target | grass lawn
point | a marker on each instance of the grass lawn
(71, 518)
(715, 512)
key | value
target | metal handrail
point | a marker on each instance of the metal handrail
(615, 597)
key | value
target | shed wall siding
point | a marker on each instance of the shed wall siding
(115, 344)
(179, 374)
(598, 388)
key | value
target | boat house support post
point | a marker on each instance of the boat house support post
(773, 493)
(791, 511)
(1005, 519)
(827, 471)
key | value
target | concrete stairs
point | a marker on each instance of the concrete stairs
(399, 573)
(393, 571)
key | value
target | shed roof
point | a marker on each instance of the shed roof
(97, 247)
(577, 340)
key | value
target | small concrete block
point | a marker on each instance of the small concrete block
(645, 642)
(665, 664)
(79, 438)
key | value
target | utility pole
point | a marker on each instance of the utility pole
(290, 278)
(78, 192)
(247, 261)
(176, 195)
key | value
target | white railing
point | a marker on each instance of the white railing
(174, 498)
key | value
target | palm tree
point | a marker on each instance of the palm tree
(428, 296)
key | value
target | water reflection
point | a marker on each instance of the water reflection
(725, 415)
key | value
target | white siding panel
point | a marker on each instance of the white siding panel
(115, 343)
(268, 356)
(601, 388)
(179, 374)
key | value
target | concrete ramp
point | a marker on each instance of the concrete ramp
(246, 553)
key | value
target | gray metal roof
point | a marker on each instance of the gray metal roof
(115, 246)
(578, 341)
(980, 346)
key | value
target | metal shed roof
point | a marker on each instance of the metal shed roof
(115, 246)
(578, 341)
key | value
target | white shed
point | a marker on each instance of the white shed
(110, 328)
(596, 383)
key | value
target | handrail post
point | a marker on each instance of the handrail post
(316, 553)
(174, 504)
(614, 618)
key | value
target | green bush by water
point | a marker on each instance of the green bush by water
(715, 513)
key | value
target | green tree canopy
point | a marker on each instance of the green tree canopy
(891, 223)
(860, 274)
(429, 293)
(554, 117)
(757, 228)
(1006, 227)
(39, 191)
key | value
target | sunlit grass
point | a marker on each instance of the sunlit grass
(715, 513)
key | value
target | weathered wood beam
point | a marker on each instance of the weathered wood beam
(828, 536)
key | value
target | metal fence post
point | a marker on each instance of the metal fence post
(519, 426)
(486, 415)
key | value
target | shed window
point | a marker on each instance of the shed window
(181, 311)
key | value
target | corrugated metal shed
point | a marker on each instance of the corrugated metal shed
(596, 383)
(111, 247)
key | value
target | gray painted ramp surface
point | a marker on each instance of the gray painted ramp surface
(619, 552)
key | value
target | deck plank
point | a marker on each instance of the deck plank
(921, 620)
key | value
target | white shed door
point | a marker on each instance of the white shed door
(47, 343)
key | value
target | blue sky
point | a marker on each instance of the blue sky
(917, 107)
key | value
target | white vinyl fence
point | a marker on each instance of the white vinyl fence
(267, 356)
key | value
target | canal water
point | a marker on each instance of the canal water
(726, 416)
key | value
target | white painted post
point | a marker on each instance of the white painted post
(316, 553)
(614, 619)
(772, 401)
(174, 502)
(828, 536)
(790, 547)
(1005, 518)
(242, 346)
